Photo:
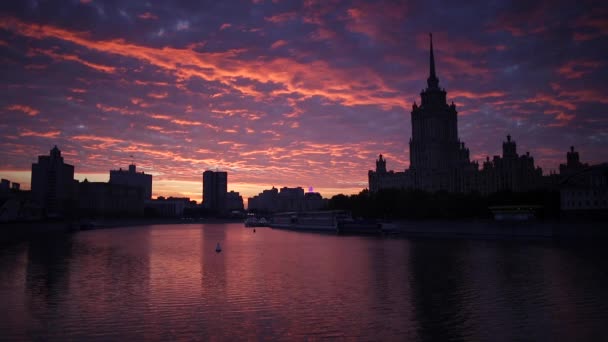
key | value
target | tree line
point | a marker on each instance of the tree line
(418, 204)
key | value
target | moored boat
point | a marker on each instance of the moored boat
(328, 220)
(251, 221)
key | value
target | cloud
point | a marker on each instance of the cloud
(157, 96)
(24, 108)
(282, 17)
(147, 16)
(578, 68)
(74, 58)
(182, 25)
(48, 134)
(278, 44)
(306, 79)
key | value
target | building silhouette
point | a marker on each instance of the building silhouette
(133, 178)
(573, 163)
(234, 201)
(53, 183)
(215, 190)
(99, 199)
(286, 199)
(585, 191)
(510, 172)
(440, 161)
(267, 201)
(168, 207)
(16, 204)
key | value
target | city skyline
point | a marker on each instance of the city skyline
(291, 94)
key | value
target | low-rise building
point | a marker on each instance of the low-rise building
(168, 207)
(109, 200)
(586, 191)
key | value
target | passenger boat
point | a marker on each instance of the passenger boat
(328, 220)
(514, 212)
(251, 221)
(360, 227)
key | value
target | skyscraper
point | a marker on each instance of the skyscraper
(53, 183)
(438, 158)
(215, 188)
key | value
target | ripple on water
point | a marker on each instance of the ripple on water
(167, 283)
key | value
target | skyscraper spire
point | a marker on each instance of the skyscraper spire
(432, 81)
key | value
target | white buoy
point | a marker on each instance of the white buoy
(218, 248)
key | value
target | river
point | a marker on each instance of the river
(166, 282)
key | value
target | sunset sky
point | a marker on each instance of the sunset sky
(290, 93)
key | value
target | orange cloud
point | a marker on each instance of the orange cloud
(123, 111)
(97, 138)
(24, 108)
(186, 122)
(476, 95)
(74, 58)
(158, 95)
(304, 79)
(50, 134)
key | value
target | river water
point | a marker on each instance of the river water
(166, 282)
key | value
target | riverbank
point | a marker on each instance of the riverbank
(480, 228)
(535, 229)
(11, 231)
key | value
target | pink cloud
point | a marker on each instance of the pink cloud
(278, 44)
(578, 68)
(24, 108)
(281, 18)
(147, 16)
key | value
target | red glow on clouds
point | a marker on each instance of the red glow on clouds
(24, 108)
(295, 95)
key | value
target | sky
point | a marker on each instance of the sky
(290, 93)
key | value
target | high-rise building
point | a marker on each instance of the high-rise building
(439, 160)
(215, 188)
(53, 183)
(133, 178)
(438, 157)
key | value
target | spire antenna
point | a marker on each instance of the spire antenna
(432, 73)
(432, 81)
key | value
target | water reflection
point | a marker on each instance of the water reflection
(47, 279)
(167, 282)
(438, 290)
(13, 266)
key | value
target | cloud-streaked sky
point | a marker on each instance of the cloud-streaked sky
(290, 93)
